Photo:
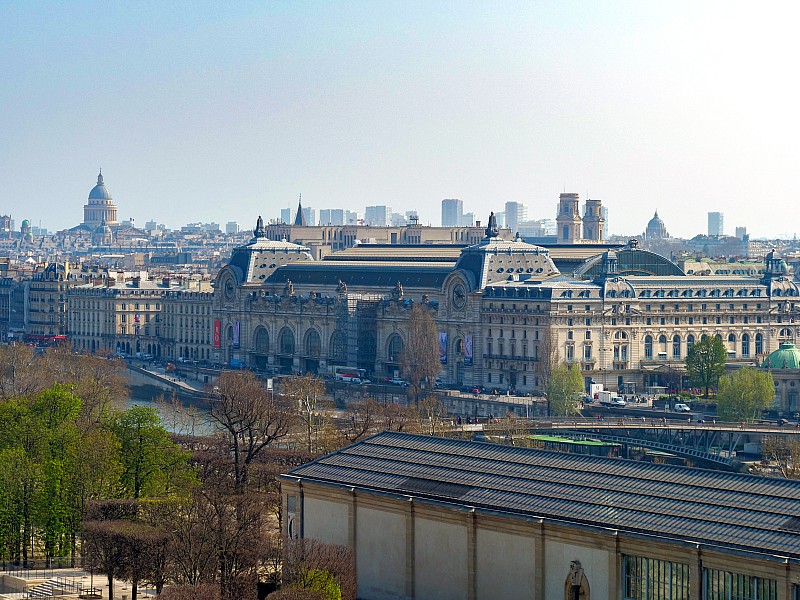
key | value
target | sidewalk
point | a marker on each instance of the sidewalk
(182, 381)
(122, 589)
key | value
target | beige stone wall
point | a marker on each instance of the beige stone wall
(326, 520)
(381, 553)
(597, 561)
(440, 558)
(504, 563)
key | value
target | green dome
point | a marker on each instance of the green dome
(785, 357)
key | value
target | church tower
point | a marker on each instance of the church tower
(568, 219)
(593, 222)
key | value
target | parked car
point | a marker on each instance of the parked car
(398, 381)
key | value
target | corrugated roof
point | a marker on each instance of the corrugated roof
(737, 511)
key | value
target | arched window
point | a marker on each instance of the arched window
(338, 347)
(313, 343)
(648, 347)
(759, 343)
(286, 341)
(731, 344)
(689, 342)
(676, 346)
(785, 334)
(745, 344)
(662, 346)
(261, 341)
(394, 349)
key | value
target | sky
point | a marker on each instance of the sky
(218, 111)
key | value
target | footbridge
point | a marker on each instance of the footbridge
(711, 444)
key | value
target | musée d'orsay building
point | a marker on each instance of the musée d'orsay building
(622, 314)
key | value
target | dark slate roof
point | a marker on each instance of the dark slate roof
(366, 274)
(739, 512)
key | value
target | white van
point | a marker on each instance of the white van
(680, 407)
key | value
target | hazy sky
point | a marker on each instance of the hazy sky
(223, 111)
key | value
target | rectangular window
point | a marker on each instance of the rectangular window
(735, 586)
(587, 353)
(651, 579)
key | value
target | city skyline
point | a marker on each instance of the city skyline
(223, 113)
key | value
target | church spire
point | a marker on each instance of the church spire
(300, 218)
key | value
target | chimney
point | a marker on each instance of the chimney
(165, 282)
(137, 281)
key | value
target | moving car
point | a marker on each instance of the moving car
(680, 407)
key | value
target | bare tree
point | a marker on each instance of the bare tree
(420, 361)
(100, 382)
(306, 557)
(430, 416)
(250, 417)
(781, 453)
(203, 591)
(549, 357)
(21, 373)
(307, 393)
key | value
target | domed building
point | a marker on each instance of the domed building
(25, 231)
(784, 364)
(656, 230)
(100, 210)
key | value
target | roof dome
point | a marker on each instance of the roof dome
(785, 357)
(100, 191)
(26, 223)
(655, 221)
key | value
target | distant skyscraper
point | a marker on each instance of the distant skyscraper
(286, 215)
(232, 228)
(741, 232)
(310, 214)
(452, 211)
(716, 223)
(467, 220)
(604, 212)
(331, 216)
(350, 217)
(516, 213)
(377, 216)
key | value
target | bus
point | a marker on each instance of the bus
(350, 374)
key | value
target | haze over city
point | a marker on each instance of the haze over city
(210, 112)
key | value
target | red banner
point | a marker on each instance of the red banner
(217, 334)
